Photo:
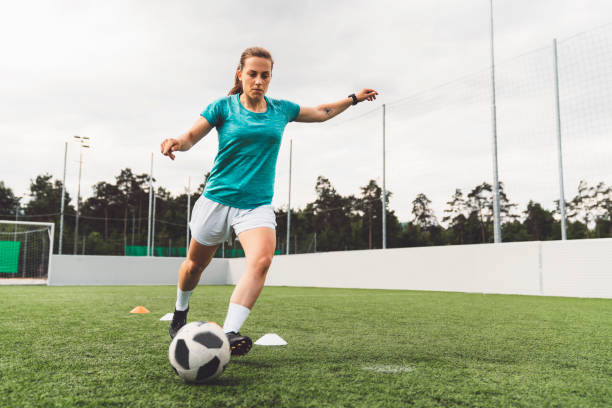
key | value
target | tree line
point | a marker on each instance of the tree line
(115, 217)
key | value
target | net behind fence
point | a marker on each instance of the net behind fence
(438, 156)
(585, 88)
(24, 251)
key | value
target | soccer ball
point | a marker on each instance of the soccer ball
(199, 352)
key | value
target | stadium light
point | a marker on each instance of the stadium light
(61, 231)
(84, 144)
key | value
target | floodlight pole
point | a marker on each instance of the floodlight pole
(61, 231)
(188, 213)
(496, 206)
(384, 186)
(153, 223)
(76, 223)
(150, 205)
(83, 142)
(289, 205)
(559, 147)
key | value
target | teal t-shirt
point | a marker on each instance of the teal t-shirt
(244, 169)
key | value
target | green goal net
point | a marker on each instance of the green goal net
(9, 256)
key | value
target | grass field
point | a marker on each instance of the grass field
(80, 346)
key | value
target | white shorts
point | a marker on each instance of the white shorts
(210, 221)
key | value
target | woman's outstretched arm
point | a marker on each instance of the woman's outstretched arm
(186, 140)
(327, 111)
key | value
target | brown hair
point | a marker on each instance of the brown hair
(249, 52)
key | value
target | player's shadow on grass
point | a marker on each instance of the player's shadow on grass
(253, 363)
(223, 381)
(228, 381)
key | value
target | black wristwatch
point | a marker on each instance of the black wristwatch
(355, 101)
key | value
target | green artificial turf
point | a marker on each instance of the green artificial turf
(80, 346)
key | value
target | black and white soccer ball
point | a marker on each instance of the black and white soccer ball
(199, 352)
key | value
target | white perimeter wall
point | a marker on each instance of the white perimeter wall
(507, 268)
(578, 268)
(126, 270)
(581, 268)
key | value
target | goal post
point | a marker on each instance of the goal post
(26, 249)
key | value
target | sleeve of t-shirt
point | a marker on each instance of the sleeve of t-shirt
(292, 110)
(215, 112)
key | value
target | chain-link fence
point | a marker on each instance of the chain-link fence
(440, 140)
(438, 161)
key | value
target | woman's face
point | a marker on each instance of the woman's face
(255, 76)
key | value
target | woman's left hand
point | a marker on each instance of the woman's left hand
(366, 93)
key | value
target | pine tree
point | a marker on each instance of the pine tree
(8, 202)
(423, 214)
(583, 206)
(457, 215)
(539, 222)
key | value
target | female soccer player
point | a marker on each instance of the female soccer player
(239, 189)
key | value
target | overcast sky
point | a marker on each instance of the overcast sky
(130, 73)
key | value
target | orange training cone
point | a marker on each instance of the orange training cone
(139, 309)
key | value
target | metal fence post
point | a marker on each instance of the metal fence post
(289, 204)
(384, 186)
(496, 206)
(559, 147)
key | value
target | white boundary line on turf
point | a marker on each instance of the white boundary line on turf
(389, 369)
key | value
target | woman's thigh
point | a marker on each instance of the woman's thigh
(258, 243)
(200, 254)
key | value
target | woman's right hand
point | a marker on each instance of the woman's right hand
(188, 140)
(169, 146)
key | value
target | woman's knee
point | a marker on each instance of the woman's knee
(193, 267)
(262, 263)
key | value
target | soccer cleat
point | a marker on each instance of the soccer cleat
(179, 319)
(239, 345)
